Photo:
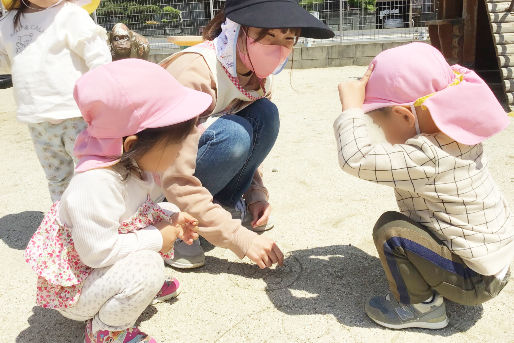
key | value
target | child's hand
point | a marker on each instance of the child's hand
(187, 227)
(264, 252)
(353, 93)
(182, 226)
(169, 233)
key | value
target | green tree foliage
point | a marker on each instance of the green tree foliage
(137, 13)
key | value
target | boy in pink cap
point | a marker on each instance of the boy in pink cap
(99, 251)
(454, 235)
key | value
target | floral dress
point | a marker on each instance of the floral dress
(52, 255)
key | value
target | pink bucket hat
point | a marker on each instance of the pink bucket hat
(460, 102)
(122, 98)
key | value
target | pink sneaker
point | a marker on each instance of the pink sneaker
(132, 335)
(170, 289)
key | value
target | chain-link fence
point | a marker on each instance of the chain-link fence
(352, 20)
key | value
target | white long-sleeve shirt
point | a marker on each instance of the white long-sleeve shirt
(46, 55)
(94, 205)
(439, 183)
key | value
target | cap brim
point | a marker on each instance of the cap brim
(277, 15)
(193, 104)
(372, 106)
(89, 5)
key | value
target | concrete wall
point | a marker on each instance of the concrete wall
(322, 56)
(339, 55)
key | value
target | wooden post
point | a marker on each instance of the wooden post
(469, 16)
(410, 13)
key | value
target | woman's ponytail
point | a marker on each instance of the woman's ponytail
(213, 29)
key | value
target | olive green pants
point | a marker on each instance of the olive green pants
(416, 264)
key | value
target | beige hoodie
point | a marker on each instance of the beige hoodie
(181, 186)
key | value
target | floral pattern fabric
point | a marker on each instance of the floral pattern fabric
(52, 255)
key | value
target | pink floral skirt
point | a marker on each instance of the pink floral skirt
(52, 255)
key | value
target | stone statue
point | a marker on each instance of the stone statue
(125, 43)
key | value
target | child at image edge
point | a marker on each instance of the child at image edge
(47, 45)
(454, 235)
(96, 253)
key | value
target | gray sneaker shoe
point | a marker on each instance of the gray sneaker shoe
(187, 256)
(240, 211)
(386, 311)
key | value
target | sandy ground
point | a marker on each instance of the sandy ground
(323, 221)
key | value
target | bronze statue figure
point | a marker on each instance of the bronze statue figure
(125, 43)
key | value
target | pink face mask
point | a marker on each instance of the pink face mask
(261, 58)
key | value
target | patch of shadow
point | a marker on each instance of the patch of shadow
(17, 229)
(335, 280)
(147, 314)
(48, 325)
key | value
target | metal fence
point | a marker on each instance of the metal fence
(352, 20)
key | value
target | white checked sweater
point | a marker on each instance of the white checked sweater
(439, 183)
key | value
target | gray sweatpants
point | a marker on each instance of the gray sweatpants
(54, 148)
(115, 296)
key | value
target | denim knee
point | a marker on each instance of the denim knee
(239, 139)
(265, 115)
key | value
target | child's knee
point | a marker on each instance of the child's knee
(148, 268)
(381, 224)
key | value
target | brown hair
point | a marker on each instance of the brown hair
(146, 140)
(213, 28)
(20, 6)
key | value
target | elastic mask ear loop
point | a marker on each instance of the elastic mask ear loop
(416, 122)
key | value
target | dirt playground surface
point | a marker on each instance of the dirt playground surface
(324, 219)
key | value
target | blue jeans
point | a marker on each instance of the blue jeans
(233, 147)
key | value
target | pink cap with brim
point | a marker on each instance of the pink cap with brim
(122, 98)
(460, 102)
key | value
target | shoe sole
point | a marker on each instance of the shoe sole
(411, 325)
(168, 297)
(186, 266)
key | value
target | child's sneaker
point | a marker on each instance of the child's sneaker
(170, 289)
(131, 335)
(386, 311)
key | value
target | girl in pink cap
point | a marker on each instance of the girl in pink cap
(99, 251)
(454, 235)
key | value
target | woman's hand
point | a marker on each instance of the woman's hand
(260, 212)
(265, 252)
(353, 93)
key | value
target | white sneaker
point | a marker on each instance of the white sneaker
(187, 256)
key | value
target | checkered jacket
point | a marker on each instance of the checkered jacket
(439, 183)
